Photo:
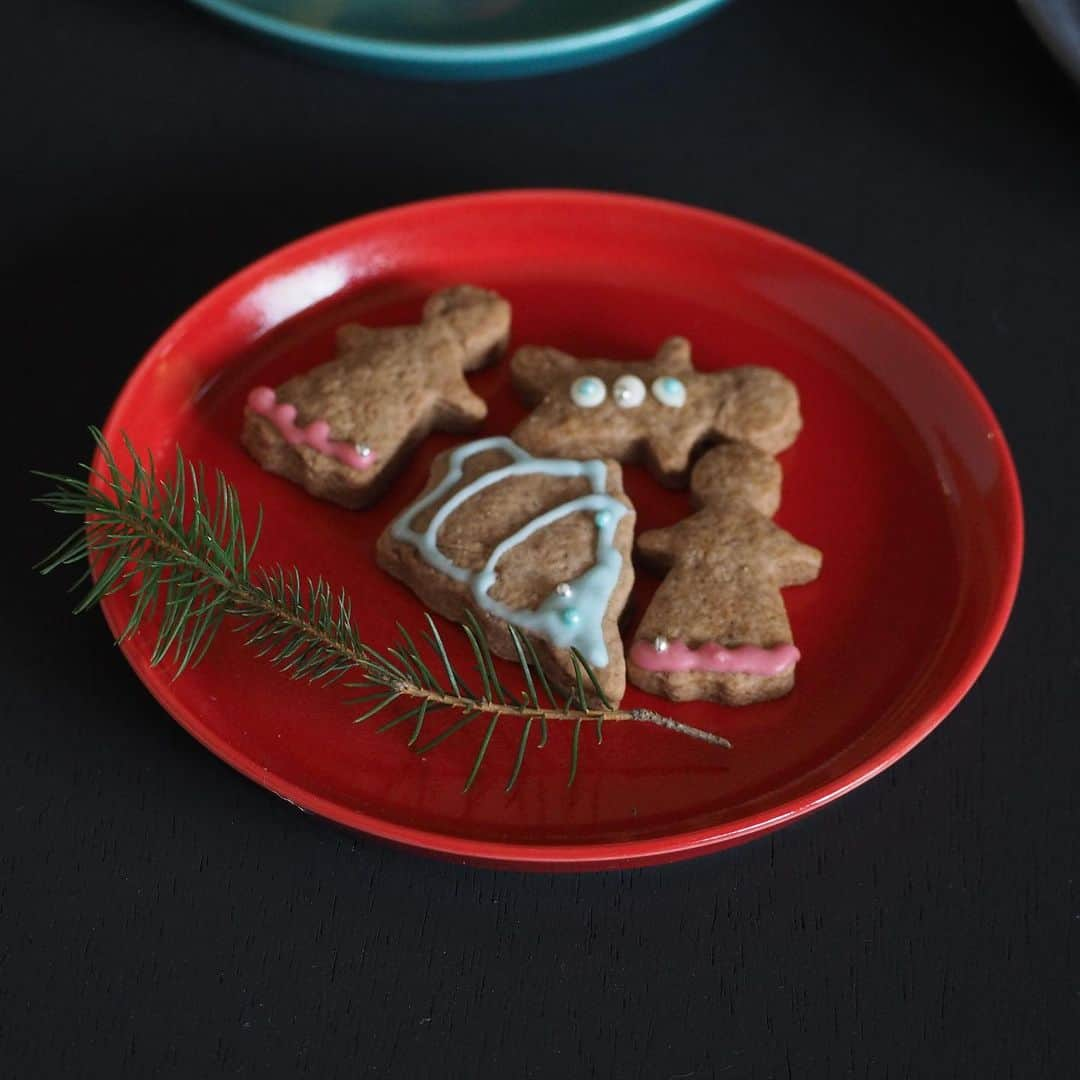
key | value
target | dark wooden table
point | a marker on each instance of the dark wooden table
(160, 916)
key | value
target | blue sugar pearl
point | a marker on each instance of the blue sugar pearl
(588, 391)
(571, 616)
(669, 391)
(602, 519)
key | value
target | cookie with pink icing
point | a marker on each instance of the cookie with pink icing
(717, 628)
(344, 429)
(660, 412)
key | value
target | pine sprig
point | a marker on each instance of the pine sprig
(179, 547)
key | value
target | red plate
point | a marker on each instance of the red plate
(901, 476)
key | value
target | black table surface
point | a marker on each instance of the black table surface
(161, 916)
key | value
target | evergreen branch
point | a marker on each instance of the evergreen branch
(185, 558)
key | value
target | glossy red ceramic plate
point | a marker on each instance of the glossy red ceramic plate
(901, 476)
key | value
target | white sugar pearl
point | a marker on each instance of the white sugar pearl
(628, 391)
(564, 588)
(669, 391)
(660, 643)
(588, 391)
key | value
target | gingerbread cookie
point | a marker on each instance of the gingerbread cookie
(717, 629)
(343, 429)
(537, 543)
(658, 411)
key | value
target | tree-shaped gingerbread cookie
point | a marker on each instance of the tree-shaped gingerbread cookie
(716, 628)
(343, 429)
(659, 411)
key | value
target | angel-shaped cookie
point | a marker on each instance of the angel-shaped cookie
(716, 628)
(343, 429)
(659, 411)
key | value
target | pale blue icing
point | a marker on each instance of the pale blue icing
(670, 391)
(588, 391)
(589, 593)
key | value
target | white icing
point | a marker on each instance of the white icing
(628, 391)
(572, 616)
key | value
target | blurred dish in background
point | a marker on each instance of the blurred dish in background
(1057, 22)
(465, 39)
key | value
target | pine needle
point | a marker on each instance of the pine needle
(178, 547)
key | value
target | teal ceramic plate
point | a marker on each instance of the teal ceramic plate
(465, 39)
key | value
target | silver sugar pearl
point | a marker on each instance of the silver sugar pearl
(660, 643)
(564, 589)
(362, 449)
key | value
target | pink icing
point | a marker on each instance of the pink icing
(743, 660)
(316, 435)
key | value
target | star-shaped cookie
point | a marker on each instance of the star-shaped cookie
(344, 429)
(659, 411)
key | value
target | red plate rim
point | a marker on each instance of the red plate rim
(629, 852)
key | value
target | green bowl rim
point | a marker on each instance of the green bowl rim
(664, 17)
